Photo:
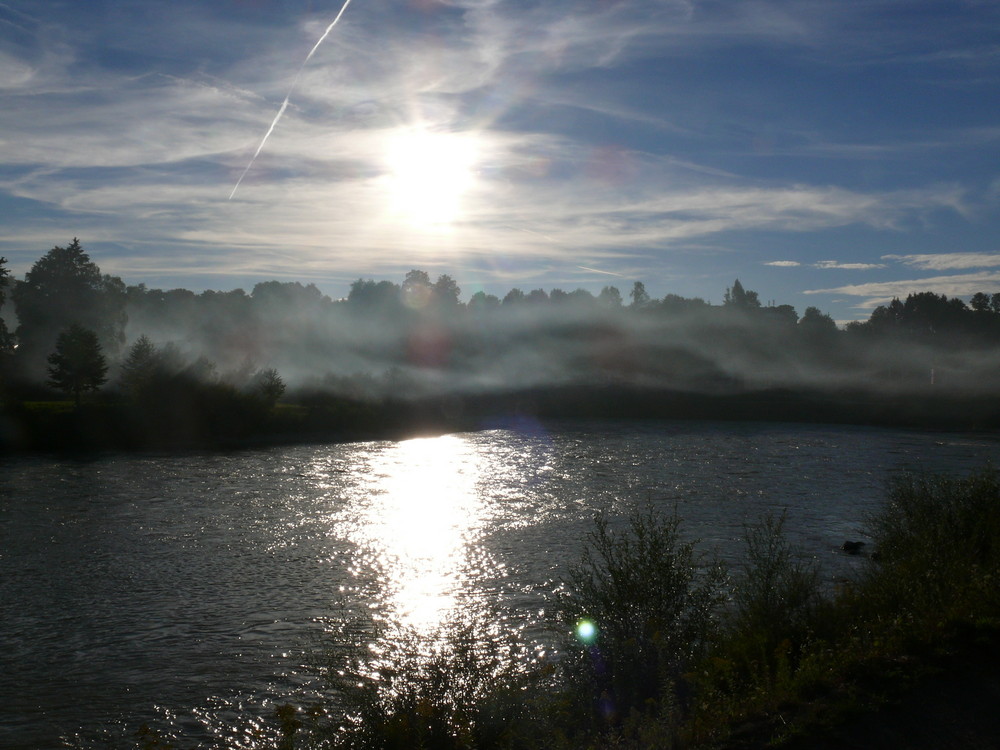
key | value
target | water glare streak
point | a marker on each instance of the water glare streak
(421, 523)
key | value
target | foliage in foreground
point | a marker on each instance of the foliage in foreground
(464, 685)
(928, 590)
(938, 541)
(643, 609)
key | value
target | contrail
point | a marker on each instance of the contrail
(284, 104)
(598, 270)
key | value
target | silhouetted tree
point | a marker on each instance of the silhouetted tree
(537, 297)
(513, 297)
(582, 298)
(225, 320)
(984, 321)
(816, 325)
(887, 318)
(610, 297)
(782, 315)
(289, 299)
(674, 303)
(64, 288)
(446, 292)
(202, 370)
(6, 340)
(368, 296)
(927, 314)
(980, 302)
(139, 367)
(77, 364)
(640, 298)
(416, 291)
(269, 385)
(481, 301)
(739, 298)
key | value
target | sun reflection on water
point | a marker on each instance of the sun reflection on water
(423, 515)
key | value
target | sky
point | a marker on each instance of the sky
(826, 153)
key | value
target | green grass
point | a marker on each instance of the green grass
(49, 407)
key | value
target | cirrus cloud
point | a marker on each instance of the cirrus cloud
(948, 261)
(880, 292)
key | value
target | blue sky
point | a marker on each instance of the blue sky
(825, 152)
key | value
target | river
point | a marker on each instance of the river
(194, 591)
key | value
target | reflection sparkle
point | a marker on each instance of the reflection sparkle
(422, 517)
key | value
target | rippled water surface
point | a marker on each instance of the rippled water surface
(191, 592)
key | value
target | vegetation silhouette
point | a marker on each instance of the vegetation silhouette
(64, 288)
(77, 364)
(411, 356)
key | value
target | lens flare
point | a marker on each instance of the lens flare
(586, 631)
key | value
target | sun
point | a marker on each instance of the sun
(428, 175)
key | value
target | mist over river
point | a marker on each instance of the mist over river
(192, 592)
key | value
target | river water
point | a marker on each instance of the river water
(192, 592)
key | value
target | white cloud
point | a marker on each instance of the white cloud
(834, 264)
(948, 261)
(783, 263)
(124, 156)
(534, 196)
(881, 292)
(14, 73)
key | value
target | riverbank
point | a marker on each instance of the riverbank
(236, 422)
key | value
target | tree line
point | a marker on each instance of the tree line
(78, 330)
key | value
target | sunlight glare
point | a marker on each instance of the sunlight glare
(428, 512)
(429, 173)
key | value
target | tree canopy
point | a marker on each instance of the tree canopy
(65, 288)
(77, 364)
(6, 341)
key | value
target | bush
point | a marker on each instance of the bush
(938, 544)
(644, 608)
(774, 599)
(463, 685)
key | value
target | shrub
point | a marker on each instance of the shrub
(645, 608)
(774, 598)
(938, 544)
(463, 685)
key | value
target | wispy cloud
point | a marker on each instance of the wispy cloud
(834, 264)
(609, 135)
(543, 200)
(948, 261)
(826, 265)
(881, 292)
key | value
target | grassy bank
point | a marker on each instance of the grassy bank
(216, 416)
(661, 648)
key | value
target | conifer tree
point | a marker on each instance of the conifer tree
(77, 364)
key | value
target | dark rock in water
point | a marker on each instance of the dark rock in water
(852, 548)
